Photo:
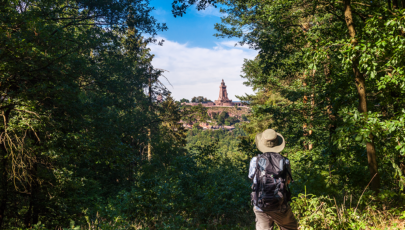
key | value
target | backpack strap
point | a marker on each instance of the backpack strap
(256, 175)
(292, 180)
(287, 190)
(288, 170)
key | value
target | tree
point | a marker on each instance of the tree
(75, 108)
(327, 53)
(200, 99)
(244, 118)
(180, 6)
(214, 115)
(221, 117)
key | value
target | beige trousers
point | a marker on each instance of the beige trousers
(284, 219)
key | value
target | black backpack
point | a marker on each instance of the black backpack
(271, 190)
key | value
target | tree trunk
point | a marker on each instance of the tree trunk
(150, 124)
(31, 216)
(28, 214)
(332, 120)
(305, 101)
(35, 197)
(3, 201)
(149, 145)
(395, 4)
(4, 163)
(395, 95)
(361, 91)
(310, 145)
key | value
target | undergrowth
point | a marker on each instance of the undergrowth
(385, 211)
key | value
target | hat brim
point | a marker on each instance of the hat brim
(263, 148)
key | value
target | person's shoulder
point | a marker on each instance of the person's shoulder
(253, 159)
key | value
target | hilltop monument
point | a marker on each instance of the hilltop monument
(223, 99)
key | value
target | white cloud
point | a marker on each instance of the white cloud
(160, 11)
(232, 44)
(161, 15)
(195, 71)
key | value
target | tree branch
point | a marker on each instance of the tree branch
(26, 111)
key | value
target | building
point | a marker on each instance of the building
(223, 99)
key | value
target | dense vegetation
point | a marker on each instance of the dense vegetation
(339, 78)
(84, 139)
(85, 142)
(330, 77)
(223, 118)
(77, 126)
(228, 141)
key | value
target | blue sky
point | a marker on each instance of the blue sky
(197, 61)
(195, 28)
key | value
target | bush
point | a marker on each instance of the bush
(205, 188)
(244, 118)
(326, 213)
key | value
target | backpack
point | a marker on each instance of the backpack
(271, 191)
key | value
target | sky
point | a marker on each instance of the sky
(196, 61)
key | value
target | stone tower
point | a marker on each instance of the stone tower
(223, 96)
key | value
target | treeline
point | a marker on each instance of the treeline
(196, 99)
(200, 99)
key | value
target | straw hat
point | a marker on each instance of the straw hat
(270, 141)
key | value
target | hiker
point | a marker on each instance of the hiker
(271, 174)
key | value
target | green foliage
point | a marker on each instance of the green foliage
(80, 116)
(306, 88)
(244, 117)
(196, 126)
(85, 141)
(325, 213)
(232, 120)
(178, 195)
(192, 114)
(222, 118)
(75, 117)
(228, 141)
